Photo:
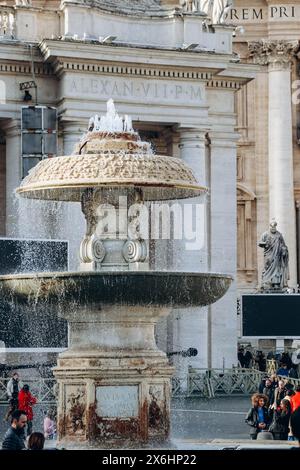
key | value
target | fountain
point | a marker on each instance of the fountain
(113, 381)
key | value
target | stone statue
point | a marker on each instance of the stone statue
(275, 274)
(215, 9)
(24, 3)
(220, 9)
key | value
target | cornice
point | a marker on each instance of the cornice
(21, 68)
(234, 77)
(61, 66)
(228, 84)
(13, 49)
(129, 54)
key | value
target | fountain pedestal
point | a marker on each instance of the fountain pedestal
(114, 384)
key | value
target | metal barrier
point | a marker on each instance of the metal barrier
(218, 382)
(198, 383)
(207, 383)
(178, 386)
(45, 390)
(210, 383)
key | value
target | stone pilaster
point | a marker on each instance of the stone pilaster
(278, 56)
(222, 322)
(189, 325)
(71, 215)
(192, 151)
(71, 132)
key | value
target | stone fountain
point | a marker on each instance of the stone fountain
(113, 381)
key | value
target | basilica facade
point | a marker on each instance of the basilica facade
(223, 97)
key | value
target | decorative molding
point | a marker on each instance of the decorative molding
(21, 68)
(244, 193)
(215, 83)
(61, 66)
(277, 54)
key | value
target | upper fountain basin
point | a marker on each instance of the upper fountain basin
(111, 160)
(147, 288)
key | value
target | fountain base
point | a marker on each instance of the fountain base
(112, 394)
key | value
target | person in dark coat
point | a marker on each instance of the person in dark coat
(286, 359)
(241, 357)
(261, 361)
(280, 423)
(295, 424)
(274, 381)
(258, 416)
(279, 394)
(247, 359)
(293, 372)
(14, 385)
(14, 437)
(268, 391)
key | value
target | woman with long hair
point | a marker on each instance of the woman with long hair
(281, 419)
(258, 416)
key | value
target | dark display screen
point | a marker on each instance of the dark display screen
(271, 315)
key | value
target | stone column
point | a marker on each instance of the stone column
(222, 324)
(70, 212)
(192, 151)
(278, 55)
(190, 325)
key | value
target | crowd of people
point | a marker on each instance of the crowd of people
(20, 414)
(258, 360)
(275, 410)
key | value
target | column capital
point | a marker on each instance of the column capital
(277, 54)
(11, 127)
(223, 138)
(192, 135)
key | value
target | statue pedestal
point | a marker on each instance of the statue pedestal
(114, 384)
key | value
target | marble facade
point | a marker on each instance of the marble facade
(183, 98)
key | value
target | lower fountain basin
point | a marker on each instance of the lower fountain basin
(144, 288)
